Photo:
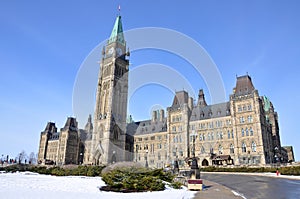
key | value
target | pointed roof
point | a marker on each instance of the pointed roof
(244, 85)
(117, 32)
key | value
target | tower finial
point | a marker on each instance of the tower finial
(119, 9)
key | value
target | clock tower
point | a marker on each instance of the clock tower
(108, 139)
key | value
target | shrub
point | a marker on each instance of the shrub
(136, 179)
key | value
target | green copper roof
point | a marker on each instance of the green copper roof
(267, 104)
(117, 32)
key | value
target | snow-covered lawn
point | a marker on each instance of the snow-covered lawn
(32, 185)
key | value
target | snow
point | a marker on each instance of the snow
(238, 194)
(33, 185)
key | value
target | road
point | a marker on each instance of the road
(253, 187)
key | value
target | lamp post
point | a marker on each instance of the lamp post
(146, 157)
(81, 160)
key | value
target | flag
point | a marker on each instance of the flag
(119, 8)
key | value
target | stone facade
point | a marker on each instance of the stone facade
(241, 131)
(60, 147)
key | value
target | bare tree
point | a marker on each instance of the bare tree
(32, 158)
(21, 156)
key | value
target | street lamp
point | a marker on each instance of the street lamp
(81, 160)
(146, 157)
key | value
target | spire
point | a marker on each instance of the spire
(117, 32)
(89, 125)
(201, 99)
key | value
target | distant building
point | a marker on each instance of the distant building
(290, 153)
(241, 131)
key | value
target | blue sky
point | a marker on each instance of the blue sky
(43, 44)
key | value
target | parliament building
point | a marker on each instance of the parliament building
(241, 131)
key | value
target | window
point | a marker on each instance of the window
(239, 109)
(180, 128)
(158, 156)
(193, 127)
(250, 119)
(247, 132)
(152, 137)
(202, 150)
(159, 146)
(180, 139)
(203, 137)
(232, 136)
(218, 136)
(181, 152)
(253, 147)
(212, 135)
(221, 135)
(251, 131)
(244, 108)
(242, 120)
(243, 133)
(249, 107)
(220, 149)
(231, 148)
(208, 136)
(228, 134)
(244, 148)
(174, 128)
(200, 137)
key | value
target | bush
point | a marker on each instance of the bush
(57, 171)
(176, 185)
(136, 179)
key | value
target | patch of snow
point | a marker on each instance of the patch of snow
(32, 185)
(238, 194)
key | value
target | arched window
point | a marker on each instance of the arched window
(244, 148)
(243, 133)
(202, 150)
(208, 136)
(116, 133)
(228, 134)
(253, 147)
(220, 149)
(251, 131)
(231, 148)
(247, 132)
(200, 137)
(232, 136)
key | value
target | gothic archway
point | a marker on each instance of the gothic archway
(204, 163)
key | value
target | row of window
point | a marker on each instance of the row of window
(145, 147)
(212, 136)
(177, 118)
(210, 125)
(245, 107)
(158, 137)
(250, 119)
(231, 148)
(247, 132)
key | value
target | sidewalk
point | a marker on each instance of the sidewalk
(214, 190)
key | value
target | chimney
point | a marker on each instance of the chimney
(191, 103)
(162, 115)
(154, 116)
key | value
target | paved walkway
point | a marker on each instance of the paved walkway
(214, 190)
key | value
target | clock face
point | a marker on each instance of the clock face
(119, 51)
(111, 51)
